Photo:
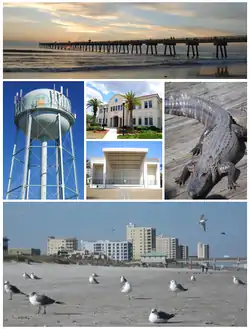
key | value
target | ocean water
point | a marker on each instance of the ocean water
(25, 62)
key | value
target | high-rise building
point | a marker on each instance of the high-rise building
(168, 246)
(143, 239)
(116, 250)
(203, 251)
(55, 245)
(183, 252)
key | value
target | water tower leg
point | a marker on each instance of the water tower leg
(57, 170)
(62, 187)
(26, 156)
(12, 165)
(74, 162)
(44, 169)
(29, 168)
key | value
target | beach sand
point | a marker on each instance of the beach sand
(182, 134)
(213, 300)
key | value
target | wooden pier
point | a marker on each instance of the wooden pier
(135, 46)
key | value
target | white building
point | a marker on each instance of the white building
(168, 246)
(116, 250)
(125, 167)
(149, 113)
(202, 251)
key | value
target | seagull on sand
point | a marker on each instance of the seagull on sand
(34, 277)
(95, 275)
(10, 290)
(193, 278)
(42, 300)
(26, 275)
(92, 279)
(238, 281)
(176, 287)
(123, 279)
(126, 289)
(159, 316)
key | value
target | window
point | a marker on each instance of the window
(150, 104)
(146, 121)
(139, 121)
(145, 104)
(100, 120)
(134, 121)
(151, 121)
(119, 107)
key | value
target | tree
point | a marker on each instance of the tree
(95, 104)
(130, 102)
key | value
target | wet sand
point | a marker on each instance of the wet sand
(213, 300)
(232, 71)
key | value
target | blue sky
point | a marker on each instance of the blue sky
(89, 221)
(94, 149)
(63, 21)
(76, 95)
(104, 90)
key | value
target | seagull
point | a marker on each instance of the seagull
(34, 277)
(202, 222)
(10, 289)
(176, 287)
(193, 278)
(123, 279)
(42, 300)
(126, 289)
(92, 279)
(159, 316)
(26, 275)
(95, 275)
(238, 281)
(223, 233)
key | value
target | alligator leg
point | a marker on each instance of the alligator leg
(241, 132)
(187, 170)
(229, 169)
(197, 150)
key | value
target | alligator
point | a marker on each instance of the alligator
(220, 147)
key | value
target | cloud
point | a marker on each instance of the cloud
(16, 19)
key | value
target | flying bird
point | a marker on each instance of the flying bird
(223, 233)
(10, 290)
(42, 300)
(202, 222)
(159, 316)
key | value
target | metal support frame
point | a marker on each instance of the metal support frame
(12, 164)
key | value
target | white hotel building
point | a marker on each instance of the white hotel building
(125, 167)
(115, 250)
(149, 113)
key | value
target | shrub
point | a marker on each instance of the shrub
(98, 128)
(142, 135)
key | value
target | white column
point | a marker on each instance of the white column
(43, 168)
(104, 171)
(142, 173)
(145, 174)
(158, 175)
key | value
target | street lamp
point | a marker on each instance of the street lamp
(103, 122)
(123, 107)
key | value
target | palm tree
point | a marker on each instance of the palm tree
(130, 102)
(95, 104)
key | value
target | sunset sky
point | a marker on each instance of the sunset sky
(34, 22)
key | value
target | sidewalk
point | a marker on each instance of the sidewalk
(111, 135)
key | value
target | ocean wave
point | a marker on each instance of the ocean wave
(213, 62)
